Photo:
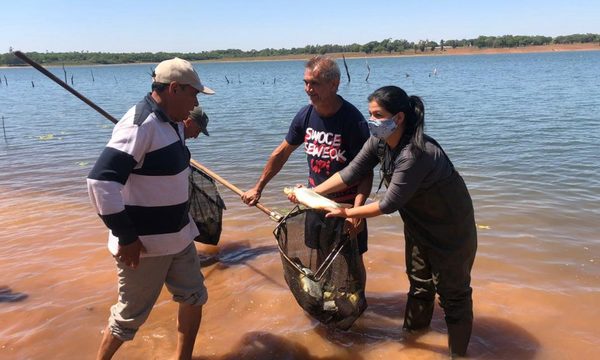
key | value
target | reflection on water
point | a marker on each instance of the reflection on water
(523, 129)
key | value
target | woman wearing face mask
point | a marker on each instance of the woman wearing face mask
(434, 203)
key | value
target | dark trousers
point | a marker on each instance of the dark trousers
(447, 273)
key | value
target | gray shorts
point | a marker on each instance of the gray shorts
(139, 288)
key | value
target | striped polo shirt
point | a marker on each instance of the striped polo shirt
(139, 185)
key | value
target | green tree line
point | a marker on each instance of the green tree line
(386, 46)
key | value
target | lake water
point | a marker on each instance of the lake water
(523, 129)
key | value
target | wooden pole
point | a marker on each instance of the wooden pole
(275, 216)
(66, 86)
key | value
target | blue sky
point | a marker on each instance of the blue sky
(192, 26)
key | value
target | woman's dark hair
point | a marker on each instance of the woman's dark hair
(395, 100)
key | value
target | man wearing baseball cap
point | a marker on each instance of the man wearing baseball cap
(139, 188)
(195, 123)
(180, 71)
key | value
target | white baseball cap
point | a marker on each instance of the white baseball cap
(180, 71)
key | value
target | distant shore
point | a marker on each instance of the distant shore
(448, 51)
(437, 52)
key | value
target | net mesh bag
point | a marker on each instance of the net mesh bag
(206, 207)
(322, 267)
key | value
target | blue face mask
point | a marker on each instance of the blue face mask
(382, 129)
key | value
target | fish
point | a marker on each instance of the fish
(311, 199)
(309, 286)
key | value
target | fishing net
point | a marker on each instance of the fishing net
(206, 207)
(322, 267)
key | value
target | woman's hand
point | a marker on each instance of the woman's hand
(336, 212)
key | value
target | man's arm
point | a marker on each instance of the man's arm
(278, 158)
(106, 182)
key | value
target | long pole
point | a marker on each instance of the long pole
(273, 215)
(66, 86)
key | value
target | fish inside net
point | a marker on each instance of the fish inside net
(206, 207)
(322, 267)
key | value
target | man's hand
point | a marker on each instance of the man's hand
(251, 196)
(354, 226)
(292, 196)
(130, 254)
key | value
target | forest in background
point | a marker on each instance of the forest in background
(384, 47)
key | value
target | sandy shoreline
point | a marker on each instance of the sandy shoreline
(448, 51)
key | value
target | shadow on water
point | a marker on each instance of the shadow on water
(266, 346)
(234, 254)
(492, 338)
(7, 295)
(495, 338)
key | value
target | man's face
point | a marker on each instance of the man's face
(319, 90)
(186, 98)
(190, 129)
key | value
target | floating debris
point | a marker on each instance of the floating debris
(46, 137)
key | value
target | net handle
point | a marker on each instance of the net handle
(272, 214)
(329, 260)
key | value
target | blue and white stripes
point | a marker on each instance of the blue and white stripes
(139, 184)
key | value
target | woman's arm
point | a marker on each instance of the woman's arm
(366, 211)
(334, 183)
(360, 170)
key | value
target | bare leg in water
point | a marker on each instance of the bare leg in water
(188, 323)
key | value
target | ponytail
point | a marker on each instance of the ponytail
(415, 127)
